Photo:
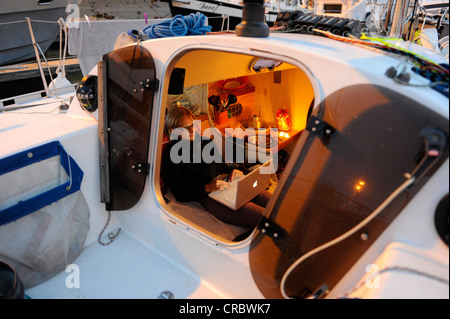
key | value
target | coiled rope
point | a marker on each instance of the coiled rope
(193, 24)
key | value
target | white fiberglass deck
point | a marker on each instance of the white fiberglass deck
(125, 269)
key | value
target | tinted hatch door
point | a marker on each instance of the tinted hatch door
(124, 125)
(358, 146)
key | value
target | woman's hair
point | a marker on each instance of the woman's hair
(174, 116)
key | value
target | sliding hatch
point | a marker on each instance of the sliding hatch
(357, 147)
(126, 86)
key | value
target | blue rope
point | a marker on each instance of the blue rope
(440, 80)
(193, 24)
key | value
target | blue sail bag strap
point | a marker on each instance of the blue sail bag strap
(40, 153)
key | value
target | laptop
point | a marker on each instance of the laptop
(244, 189)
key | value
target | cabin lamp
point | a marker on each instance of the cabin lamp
(283, 120)
(282, 136)
(253, 16)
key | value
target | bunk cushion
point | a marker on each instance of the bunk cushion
(196, 214)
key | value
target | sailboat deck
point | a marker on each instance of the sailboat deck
(125, 269)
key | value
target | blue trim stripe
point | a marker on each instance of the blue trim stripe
(40, 153)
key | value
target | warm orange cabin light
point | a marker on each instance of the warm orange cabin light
(360, 185)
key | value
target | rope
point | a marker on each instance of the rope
(43, 21)
(437, 74)
(193, 24)
(12, 22)
(224, 17)
(111, 235)
(48, 68)
(227, 18)
(70, 174)
(347, 234)
(388, 44)
(395, 268)
(32, 20)
(62, 59)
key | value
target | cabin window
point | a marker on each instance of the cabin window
(254, 88)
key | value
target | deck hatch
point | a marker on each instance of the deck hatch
(125, 112)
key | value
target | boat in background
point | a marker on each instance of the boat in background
(435, 8)
(15, 41)
(436, 15)
(346, 8)
(386, 21)
(226, 15)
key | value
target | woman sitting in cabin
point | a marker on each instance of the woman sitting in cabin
(193, 180)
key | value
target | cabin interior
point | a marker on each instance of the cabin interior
(273, 97)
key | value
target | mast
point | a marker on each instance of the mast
(399, 18)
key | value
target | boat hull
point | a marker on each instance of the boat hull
(15, 39)
(214, 10)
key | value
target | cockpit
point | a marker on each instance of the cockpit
(246, 104)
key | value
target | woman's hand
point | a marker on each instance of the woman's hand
(235, 174)
(219, 184)
(216, 185)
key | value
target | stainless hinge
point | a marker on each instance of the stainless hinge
(141, 168)
(317, 126)
(148, 84)
(271, 229)
(321, 129)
